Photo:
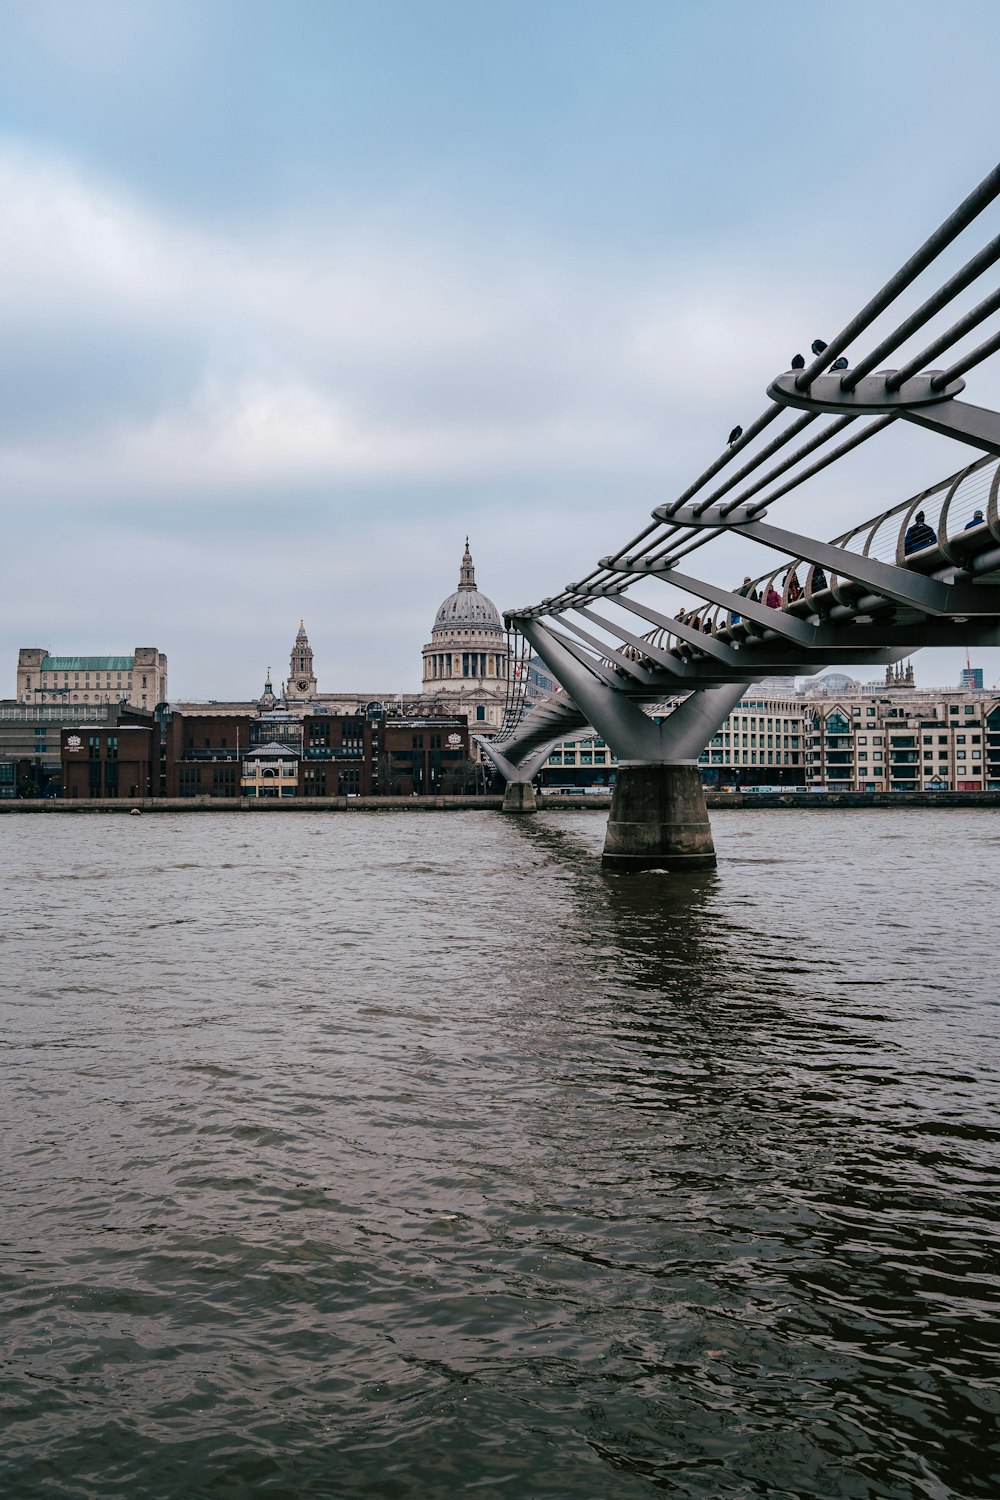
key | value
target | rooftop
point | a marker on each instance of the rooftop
(87, 664)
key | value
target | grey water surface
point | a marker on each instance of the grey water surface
(410, 1156)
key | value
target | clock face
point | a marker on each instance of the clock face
(302, 684)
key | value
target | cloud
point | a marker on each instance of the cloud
(228, 361)
(314, 419)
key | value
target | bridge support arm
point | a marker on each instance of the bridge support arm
(519, 772)
(630, 732)
(975, 425)
(658, 818)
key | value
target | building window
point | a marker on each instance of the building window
(480, 713)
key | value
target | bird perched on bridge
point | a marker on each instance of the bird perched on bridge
(817, 346)
(798, 363)
(734, 436)
(839, 364)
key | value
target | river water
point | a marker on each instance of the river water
(409, 1156)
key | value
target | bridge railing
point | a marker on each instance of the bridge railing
(961, 511)
(817, 415)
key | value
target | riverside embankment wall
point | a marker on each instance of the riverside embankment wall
(715, 800)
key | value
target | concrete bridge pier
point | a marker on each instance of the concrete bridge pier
(519, 794)
(519, 797)
(658, 820)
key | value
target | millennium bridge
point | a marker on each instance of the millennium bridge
(657, 682)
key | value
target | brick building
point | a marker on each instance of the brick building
(305, 751)
(356, 755)
(31, 739)
(120, 760)
(202, 754)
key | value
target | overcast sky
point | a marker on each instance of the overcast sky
(295, 295)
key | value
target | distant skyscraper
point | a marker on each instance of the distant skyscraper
(971, 680)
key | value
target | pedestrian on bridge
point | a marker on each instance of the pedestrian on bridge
(746, 591)
(977, 520)
(918, 535)
(772, 598)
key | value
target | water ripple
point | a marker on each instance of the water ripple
(410, 1157)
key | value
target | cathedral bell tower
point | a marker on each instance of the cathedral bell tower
(301, 678)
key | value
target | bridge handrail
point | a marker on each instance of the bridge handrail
(666, 539)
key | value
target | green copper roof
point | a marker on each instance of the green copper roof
(87, 663)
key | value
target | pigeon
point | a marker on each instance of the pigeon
(734, 436)
(839, 364)
(818, 346)
(798, 363)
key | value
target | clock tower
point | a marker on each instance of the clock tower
(301, 684)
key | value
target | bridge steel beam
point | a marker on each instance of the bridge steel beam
(521, 755)
(901, 585)
(658, 819)
(859, 645)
